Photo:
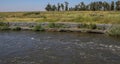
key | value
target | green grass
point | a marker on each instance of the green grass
(53, 25)
(114, 30)
(4, 26)
(101, 17)
(38, 28)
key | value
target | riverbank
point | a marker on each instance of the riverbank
(66, 21)
(59, 27)
(110, 29)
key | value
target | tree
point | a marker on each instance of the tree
(71, 9)
(76, 8)
(112, 6)
(106, 6)
(82, 6)
(100, 5)
(54, 8)
(62, 6)
(48, 7)
(58, 8)
(66, 6)
(88, 7)
(93, 6)
(118, 5)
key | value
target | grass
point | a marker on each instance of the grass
(53, 25)
(88, 26)
(101, 17)
(4, 26)
(38, 28)
(114, 30)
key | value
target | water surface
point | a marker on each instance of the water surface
(26, 47)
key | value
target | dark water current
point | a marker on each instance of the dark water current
(26, 47)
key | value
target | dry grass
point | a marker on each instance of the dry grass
(68, 16)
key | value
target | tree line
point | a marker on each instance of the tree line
(93, 6)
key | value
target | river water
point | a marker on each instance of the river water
(27, 47)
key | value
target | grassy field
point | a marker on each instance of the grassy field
(102, 17)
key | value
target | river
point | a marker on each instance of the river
(27, 47)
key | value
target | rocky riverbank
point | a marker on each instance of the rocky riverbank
(59, 27)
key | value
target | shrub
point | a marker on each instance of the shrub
(38, 28)
(4, 28)
(30, 13)
(53, 25)
(114, 30)
(88, 26)
(3, 24)
(17, 28)
(92, 26)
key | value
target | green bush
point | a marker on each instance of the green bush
(38, 28)
(114, 30)
(92, 26)
(4, 28)
(30, 13)
(53, 25)
(3, 24)
(17, 28)
(88, 26)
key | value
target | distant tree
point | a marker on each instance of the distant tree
(106, 6)
(76, 8)
(54, 8)
(48, 7)
(97, 6)
(112, 5)
(62, 6)
(93, 6)
(66, 6)
(82, 6)
(88, 7)
(100, 5)
(58, 6)
(71, 9)
(118, 5)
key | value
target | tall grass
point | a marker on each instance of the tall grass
(114, 30)
(108, 17)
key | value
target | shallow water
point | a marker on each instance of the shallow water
(26, 47)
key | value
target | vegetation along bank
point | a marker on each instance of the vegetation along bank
(62, 27)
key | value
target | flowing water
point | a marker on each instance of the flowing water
(26, 47)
